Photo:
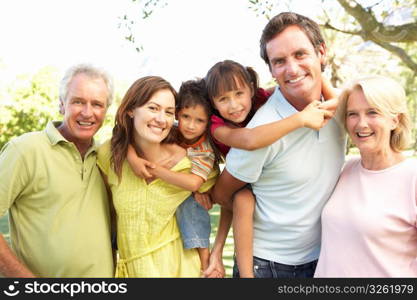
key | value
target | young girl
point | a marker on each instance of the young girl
(234, 93)
(193, 114)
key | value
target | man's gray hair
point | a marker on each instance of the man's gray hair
(91, 71)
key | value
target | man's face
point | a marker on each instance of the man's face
(84, 108)
(296, 66)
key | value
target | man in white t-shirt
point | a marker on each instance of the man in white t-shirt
(294, 177)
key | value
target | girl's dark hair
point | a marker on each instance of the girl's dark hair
(192, 93)
(139, 93)
(227, 76)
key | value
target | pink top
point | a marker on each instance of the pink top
(369, 225)
(258, 100)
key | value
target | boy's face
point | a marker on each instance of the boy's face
(192, 123)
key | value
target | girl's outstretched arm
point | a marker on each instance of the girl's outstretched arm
(327, 89)
(331, 96)
(264, 135)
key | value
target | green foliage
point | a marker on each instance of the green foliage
(138, 10)
(409, 82)
(29, 103)
(262, 7)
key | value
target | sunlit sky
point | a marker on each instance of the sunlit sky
(181, 40)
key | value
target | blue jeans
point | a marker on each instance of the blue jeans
(263, 268)
(194, 224)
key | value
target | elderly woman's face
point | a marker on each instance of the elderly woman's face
(153, 121)
(368, 128)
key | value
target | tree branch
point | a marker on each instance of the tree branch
(330, 26)
(406, 59)
(385, 33)
(372, 30)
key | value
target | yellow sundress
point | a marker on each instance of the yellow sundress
(148, 237)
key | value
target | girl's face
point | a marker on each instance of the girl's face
(234, 105)
(368, 128)
(153, 121)
(192, 122)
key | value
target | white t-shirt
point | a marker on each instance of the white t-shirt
(292, 179)
(370, 223)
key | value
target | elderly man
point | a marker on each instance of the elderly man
(49, 182)
(293, 178)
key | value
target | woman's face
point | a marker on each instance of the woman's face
(153, 121)
(368, 128)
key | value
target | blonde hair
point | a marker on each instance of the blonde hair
(386, 96)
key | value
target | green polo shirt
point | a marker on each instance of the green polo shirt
(58, 206)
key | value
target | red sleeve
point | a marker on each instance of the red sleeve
(217, 122)
(261, 96)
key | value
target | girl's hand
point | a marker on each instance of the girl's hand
(215, 268)
(327, 89)
(313, 117)
(139, 165)
(329, 105)
(204, 200)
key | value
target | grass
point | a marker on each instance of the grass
(214, 214)
(4, 227)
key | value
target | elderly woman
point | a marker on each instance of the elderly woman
(148, 237)
(369, 223)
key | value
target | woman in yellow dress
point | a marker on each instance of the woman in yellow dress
(148, 238)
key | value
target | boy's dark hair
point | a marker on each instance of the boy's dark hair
(283, 20)
(192, 93)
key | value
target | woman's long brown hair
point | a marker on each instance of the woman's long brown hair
(140, 92)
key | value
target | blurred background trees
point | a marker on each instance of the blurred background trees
(27, 103)
(363, 37)
(31, 100)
